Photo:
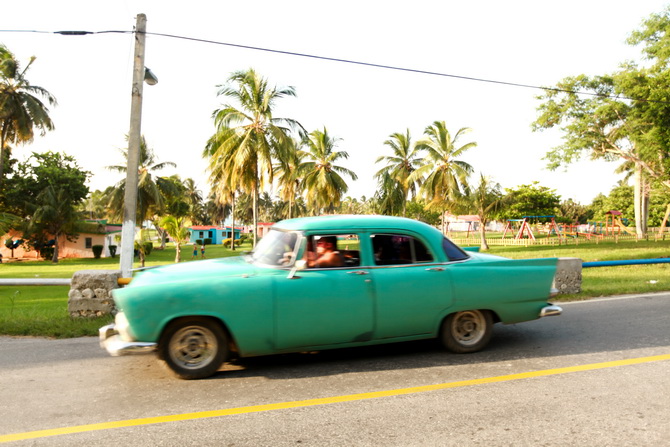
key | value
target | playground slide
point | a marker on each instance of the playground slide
(624, 228)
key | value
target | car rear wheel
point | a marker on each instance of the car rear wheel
(194, 348)
(467, 331)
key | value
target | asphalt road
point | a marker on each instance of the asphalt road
(599, 375)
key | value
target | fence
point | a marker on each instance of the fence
(544, 240)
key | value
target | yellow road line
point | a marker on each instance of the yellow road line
(323, 401)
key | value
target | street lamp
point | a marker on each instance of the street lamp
(149, 77)
(140, 74)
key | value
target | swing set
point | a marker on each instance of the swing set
(525, 230)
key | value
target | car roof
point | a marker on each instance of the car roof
(346, 222)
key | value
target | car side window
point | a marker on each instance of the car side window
(453, 252)
(325, 251)
(398, 249)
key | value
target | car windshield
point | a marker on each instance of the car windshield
(277, 248)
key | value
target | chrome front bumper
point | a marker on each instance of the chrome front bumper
(550, 311)
(111, 341)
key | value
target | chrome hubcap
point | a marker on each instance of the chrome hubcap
(193, 347)
(468, 327)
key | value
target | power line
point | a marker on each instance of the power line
(347, 61)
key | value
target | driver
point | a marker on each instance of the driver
(326, 253)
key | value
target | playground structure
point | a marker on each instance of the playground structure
(529, 230)
(458, 223)
(614, 224)
(525, 230)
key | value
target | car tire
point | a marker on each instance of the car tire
(194, 348)
(467, 331)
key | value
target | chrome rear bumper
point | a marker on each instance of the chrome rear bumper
(550, 311)
(111, 341)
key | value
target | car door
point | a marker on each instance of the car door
(326, 306)
(411, 289)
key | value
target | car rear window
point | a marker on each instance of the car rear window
(453, 252)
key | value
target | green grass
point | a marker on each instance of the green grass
(42, 310)
(606, 281)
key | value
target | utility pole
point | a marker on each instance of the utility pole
(130, 198)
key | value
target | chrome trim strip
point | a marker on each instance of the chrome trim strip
(550, 311)
(111, 341)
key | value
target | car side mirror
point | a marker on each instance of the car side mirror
(300, 264)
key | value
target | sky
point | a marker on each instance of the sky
(525, 42)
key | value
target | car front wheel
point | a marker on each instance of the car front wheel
(194, 348)
(467, 331)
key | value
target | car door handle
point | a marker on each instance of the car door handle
(358, 272)
(435, 269)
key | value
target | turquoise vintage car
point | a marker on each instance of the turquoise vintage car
(394, 280)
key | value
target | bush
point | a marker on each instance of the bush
(198, 241)
(148, 247)
(112, 250)
(47, 253)
(226, 242)
(97, 251)
(208, 241)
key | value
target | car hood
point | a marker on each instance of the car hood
(194, 271)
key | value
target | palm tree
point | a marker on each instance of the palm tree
(389, 195)
(21, 107)
(54, 214)
(323, 184)
(249, 137)
(485, 198)
(94, 206)
(7, 221)
(288, 172)
(443, 176)
(193, 197)
(151, 189)
(221, 177)
(177, 228)
(400, 165)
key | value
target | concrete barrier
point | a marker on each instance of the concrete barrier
(568, 277)
(90, 293)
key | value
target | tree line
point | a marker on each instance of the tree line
(265, 168)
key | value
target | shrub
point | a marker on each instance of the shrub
(226, 242)
(208, 241)
(97, 251)
(112, 250)
(47, 253)
(148, 247)
(198, 241)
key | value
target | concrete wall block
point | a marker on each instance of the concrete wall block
(102, 294)
(90, 293)
(568, 277)
(95, 279)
